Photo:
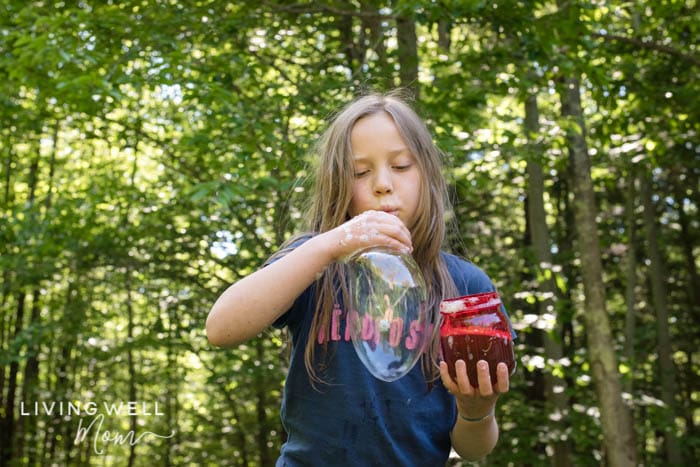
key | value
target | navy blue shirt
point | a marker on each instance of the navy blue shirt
(353, 418)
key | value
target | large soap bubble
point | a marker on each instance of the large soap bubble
(389, 323)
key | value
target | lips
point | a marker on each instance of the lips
(390, 210)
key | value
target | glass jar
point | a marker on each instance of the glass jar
(474, 327)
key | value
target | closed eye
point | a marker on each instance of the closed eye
(361, 173)
(402, 167)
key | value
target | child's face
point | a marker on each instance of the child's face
(387, 176)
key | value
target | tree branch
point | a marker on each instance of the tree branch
(307, 8)
(637, 42)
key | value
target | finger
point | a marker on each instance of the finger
(402, 228)
(393, 227)
(447, 380)
(393, 244)
(463, 383)
(381, 228)
(400, 233)
(484, 376)
(502, 378)
(362, 232)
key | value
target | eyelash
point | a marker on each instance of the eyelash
(400, 168)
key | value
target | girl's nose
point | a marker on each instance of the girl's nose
(383, 183)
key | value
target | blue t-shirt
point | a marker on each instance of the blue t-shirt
(353, 418)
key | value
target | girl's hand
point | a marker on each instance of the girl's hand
(369, 229)
(475, 402)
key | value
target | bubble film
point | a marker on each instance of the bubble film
(389, 323)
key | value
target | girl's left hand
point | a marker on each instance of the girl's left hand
(475, 402)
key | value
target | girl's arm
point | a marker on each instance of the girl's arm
(475, 432)
(256, 301)
(474, 440)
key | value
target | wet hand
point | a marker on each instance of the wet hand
(474, 402)
(370, 229)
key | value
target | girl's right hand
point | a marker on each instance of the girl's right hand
(370, 229)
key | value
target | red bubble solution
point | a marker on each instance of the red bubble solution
(474, 327)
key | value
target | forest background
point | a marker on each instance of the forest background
(153, 152)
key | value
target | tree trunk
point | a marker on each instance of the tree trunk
(555, 387)
(261, 403)
(566, 240)
(5, 320)
(659, 293)
(26, 426)
(5, 326)
(444, 28)
(69, 328)
(30, 381)
(373, 23)
(171, 385)
(354, 47)
(615, 417)
(8, 175)
(131, 367)
(8, 447)
(689, 377)
(60, 391)
(687, 244)
(133, 419)
(52, 166)
(631, 275)
(240, 433)
(534, 391)
(8, 421)
(408, 53)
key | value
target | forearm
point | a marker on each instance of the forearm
(256, 301)
(253, 303)
(474, 440)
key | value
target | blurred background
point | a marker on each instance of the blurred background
(153, 152)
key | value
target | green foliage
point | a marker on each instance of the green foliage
(151, 153)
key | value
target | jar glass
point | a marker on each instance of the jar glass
(475, 327)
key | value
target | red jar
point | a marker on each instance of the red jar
(474, 327)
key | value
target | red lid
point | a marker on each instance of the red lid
(470, 303)
(478, 314)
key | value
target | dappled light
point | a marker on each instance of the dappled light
(153, 153)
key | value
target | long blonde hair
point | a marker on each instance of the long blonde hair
(330, 203)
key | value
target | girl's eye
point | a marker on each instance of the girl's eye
(402, 167)
(361, 173)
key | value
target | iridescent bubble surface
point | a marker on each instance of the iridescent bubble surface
(388, 319)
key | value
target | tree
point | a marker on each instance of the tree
(165, 148)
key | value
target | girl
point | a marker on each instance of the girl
(378, 183)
